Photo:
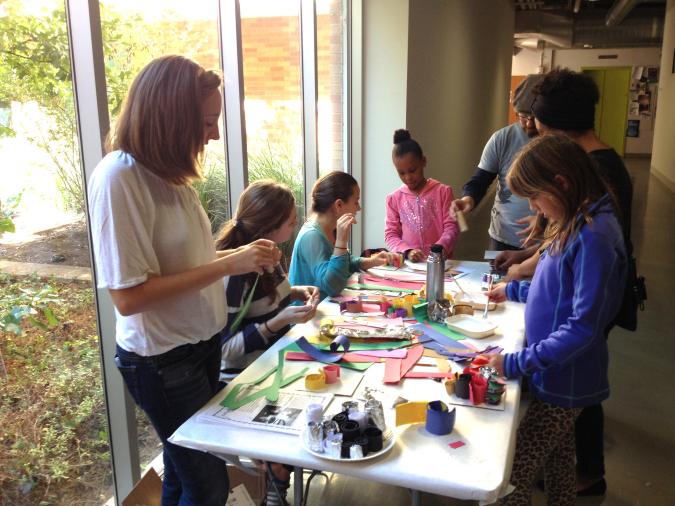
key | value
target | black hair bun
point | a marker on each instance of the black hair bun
(401, 135)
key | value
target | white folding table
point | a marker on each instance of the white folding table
(420, 461)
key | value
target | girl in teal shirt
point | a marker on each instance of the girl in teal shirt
(320, 255)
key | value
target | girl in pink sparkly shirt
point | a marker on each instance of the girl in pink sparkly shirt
(418, 213)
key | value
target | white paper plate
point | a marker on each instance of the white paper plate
(387, 444)
(470, 325)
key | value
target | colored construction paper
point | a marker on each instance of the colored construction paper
(411, 412)
(316, 353)
(444, 330)
(398, 353)
(440, 419)
(387, 287)
(414, 285)
(427, 374)
(396, 368)
(392, 370)
(356, 366)
(271, 393)
(414, 354)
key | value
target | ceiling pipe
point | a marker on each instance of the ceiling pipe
(619, 11)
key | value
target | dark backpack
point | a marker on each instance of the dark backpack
(634, 297)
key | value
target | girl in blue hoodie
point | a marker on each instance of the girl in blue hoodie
(574, 295)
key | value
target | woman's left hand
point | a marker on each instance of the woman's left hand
(306, 293)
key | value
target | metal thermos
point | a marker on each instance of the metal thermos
(435, 277)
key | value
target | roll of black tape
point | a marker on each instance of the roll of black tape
(462, 386)
(340, 418)
(350, 430)
(362, 441)
(344, 454)
(374, 436)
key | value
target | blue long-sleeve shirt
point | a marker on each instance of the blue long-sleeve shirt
(573, 297)
(313, 262)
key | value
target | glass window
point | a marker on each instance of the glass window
(331, 78)
(136, 32)
(52, 419)
(270, 31)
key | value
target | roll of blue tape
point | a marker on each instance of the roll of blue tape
(440, 419)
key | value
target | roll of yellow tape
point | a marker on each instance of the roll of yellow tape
(316, 381)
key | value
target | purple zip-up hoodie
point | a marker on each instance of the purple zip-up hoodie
(571, 301)
(418, 221)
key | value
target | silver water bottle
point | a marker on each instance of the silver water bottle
(435, 280)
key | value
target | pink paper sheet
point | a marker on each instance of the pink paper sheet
(429, 374)
(392, 370)
(347, 357)
(399, 353)
(396, 368)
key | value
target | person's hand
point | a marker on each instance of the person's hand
(382, 258)
(496, 361)
(465, 204)
(498, 293)
(531, 224)
(291, 315)
(415, 255)
(506, 259)
(515, 272)
(254, 257)
(344, 224)
(306, 293)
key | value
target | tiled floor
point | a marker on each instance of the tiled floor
(640, 414)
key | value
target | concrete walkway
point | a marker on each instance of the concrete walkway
(56, 271)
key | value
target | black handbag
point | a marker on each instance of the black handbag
(634, 297)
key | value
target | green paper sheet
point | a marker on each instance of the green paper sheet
(271, 392)
(382, 288)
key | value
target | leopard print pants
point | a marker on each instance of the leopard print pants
(545, 439)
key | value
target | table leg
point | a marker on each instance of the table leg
(415, 499)
(297, 486)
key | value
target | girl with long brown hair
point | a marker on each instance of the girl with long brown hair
(260, 310)
(154, 253)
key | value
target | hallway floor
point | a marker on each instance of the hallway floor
(640, 414)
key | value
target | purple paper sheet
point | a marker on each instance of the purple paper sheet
(316, 353)
(441, 343)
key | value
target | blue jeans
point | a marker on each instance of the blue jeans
(170, 388)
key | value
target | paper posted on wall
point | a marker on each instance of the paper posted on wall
(284, 415)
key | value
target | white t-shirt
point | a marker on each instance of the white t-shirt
(142, 225)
